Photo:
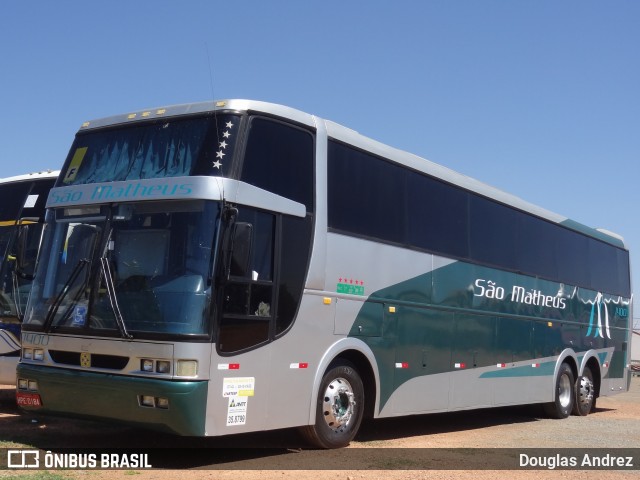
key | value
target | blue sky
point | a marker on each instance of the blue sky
(538, 98)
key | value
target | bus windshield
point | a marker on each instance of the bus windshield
(22, 205)
(167, 148)
(130, 270)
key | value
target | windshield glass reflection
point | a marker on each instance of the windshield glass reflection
(138, 268)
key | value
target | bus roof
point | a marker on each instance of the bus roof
(352, 137)
(31, 176)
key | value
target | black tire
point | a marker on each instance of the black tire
(339, 407)
(585, 396)
(564, 397)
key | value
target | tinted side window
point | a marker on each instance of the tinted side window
(372, 197)
(260, 303)
(279, 158)
(437, 216)
(365, 194)
(294, 259)
(573, 253)
(493, 230)
(537, 246)
(247, 300)
(603, 261)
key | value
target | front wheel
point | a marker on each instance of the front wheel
(564, 397)
(339, 408)
(585, 394)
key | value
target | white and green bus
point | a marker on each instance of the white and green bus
(237, 266)
(22, 206)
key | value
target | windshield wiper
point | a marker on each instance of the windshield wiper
(63, 293)
(111, 291)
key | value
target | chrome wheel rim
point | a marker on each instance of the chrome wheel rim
(585, 392)
(338, 404)
(564, 391)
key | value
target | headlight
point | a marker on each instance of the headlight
(146, 365)
(163, 366)
(187, 368)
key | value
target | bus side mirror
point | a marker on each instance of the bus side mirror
(241, 249)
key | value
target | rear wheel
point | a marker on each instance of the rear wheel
(564, 397)
(339, 408)
(585, 394)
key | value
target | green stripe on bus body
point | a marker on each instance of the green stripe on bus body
(80, 394)
(544, 369)
(447, 317)
(603, 357)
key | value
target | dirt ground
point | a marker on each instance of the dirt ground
(390, 448)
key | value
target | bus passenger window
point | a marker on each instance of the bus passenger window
(248, 295)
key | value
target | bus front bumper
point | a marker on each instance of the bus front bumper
(177, 407)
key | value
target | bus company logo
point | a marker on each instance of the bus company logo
(23, 459)
(599, 316)
(235, 402)
(490, 289)
(85, 360)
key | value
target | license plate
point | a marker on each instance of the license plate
(24, 399)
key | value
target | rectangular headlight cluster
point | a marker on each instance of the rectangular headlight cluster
(155, 366)
(27, 385)
(153, 402)
(184, 368)
(33, 354)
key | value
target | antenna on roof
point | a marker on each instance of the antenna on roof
(213, 97)
(215, 114)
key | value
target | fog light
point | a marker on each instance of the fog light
(23, 383)
(187, 368)
(163, 366)
(162, 402)
(27, 353)
(146, 365)
(147, 401)
(38, 354)
(33, 385)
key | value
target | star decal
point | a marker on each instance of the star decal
(226, 134)
(223, 144)
(220, 154)
(217, 164)
(229, 124)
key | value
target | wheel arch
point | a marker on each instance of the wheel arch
(359, 354)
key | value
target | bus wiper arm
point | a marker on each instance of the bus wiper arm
(111, 291)
(63, 293)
